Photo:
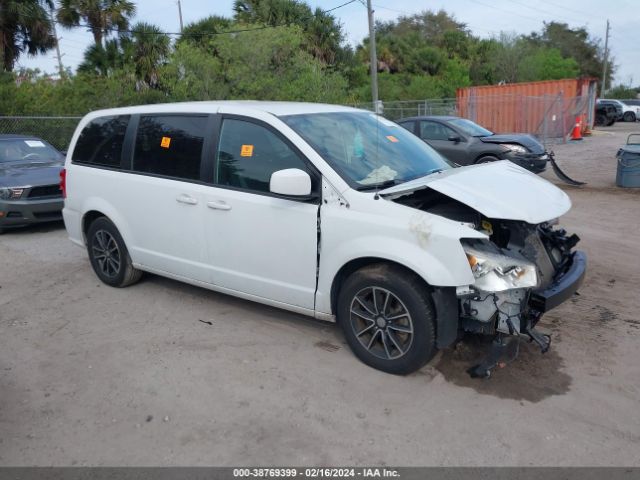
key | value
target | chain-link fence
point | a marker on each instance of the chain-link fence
(55, 130)
(414, 108)
(549, 117)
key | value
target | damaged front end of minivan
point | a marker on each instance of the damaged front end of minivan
(522, 268)
(520, 273)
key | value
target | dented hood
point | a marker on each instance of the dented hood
(496, 190)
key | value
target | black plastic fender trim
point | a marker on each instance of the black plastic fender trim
(445, 302)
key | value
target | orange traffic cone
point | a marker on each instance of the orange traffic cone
(575, 133)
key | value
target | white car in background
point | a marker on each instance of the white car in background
(323, 210)
(629, 113)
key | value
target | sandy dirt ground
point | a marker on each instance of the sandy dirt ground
(91, 375)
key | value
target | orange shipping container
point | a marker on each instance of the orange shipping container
(547, 109)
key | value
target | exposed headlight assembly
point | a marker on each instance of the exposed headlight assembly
(515, 148)
(495, 272)
(12, 193)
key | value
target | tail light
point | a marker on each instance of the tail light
(63, 182)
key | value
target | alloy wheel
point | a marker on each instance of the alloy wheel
(106, 253)
(381, 323)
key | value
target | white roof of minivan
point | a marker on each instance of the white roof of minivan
(274, 108)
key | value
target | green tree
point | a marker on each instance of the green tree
(150, 51)
(25, 27)
(101, 16)
(116, 55)
(623, 92)
(574, 43)
(547, 64)
(323, 36)
(264, 64)
(200, 32)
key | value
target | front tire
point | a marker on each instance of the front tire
(387, 318)
(109, 255)
(629, 117)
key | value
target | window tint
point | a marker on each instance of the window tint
(434, 131)
(248, 154)
(170, 145)
(407, 125)
(100, 142)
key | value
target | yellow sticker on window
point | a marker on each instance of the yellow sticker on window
(392, 139)
(246, 151)
(165, 142)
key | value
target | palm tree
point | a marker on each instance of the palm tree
(198, 33)
(115, 55)
(101, 16)
(323, 34)
(25, 26)
(150, 50)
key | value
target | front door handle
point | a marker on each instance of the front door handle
(219, 205)
(188, 199)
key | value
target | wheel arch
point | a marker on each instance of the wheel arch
(96, 207)
(484, 155)
(87, 219)
(443, 299)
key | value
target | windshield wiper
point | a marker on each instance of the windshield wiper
(375, 186)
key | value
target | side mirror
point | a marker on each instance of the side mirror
(291, 182)
(454, 138)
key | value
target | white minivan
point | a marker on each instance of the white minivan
(324, 210)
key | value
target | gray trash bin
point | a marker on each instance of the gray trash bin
(628, 174)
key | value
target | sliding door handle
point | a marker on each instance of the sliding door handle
(218, 205)
(187, 199)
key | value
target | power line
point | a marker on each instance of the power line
(204, 34)
(544, 12)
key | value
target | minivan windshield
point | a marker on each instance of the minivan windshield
(28, 149)
(471, 128)
(368, 151)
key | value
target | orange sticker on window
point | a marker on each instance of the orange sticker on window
(391, 138)
(246, 151)
(165, 142)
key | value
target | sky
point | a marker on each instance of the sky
(485, 18)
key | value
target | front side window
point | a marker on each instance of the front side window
(249, 153)
(100, 142)
(435, 131)
(170, 145)
(366, 150)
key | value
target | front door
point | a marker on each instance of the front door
(437, 135)
(260, 244)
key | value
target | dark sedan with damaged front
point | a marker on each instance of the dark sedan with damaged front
(464, 142)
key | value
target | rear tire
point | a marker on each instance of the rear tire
(109, 255)
(629, 117)
(387, 318)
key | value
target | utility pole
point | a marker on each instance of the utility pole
(55, 35)
(373, 58)
(603, 88)
(180, 15)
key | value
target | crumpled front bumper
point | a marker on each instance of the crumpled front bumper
(563, 287)
(534, 162)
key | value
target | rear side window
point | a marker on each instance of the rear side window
(248, 154)
(100, 142)
(170, 145)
